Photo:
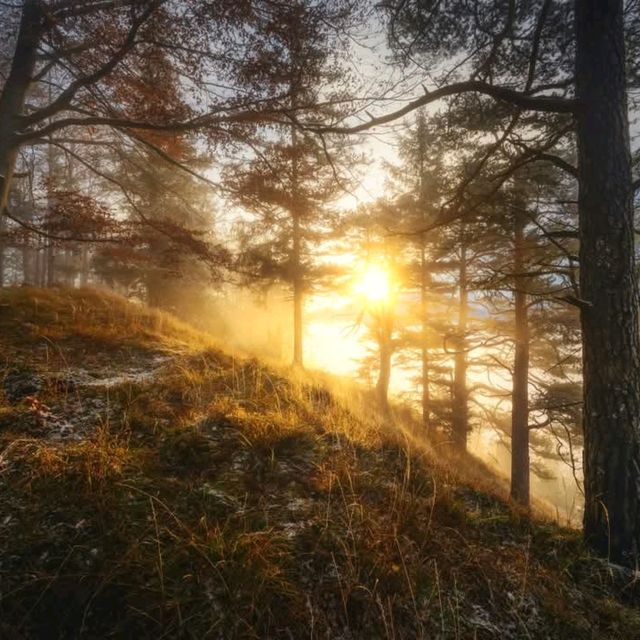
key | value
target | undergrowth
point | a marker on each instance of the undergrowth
(225, 499)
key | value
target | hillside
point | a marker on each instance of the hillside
(153, 486)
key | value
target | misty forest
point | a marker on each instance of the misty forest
(319, 319)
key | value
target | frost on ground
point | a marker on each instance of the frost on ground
(69, 404)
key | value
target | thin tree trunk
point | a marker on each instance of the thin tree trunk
(424, 275)
(3, 244)
(608, 285)
(424, 283)
(520, 392)
(298, 298)
(51, 265)
(460, 393)
(28, 267)
(43, 263)
(52, 167)
(38, 275)
(385, 347)
(296, 259)
(84, 265)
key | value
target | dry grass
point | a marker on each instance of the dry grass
(49, 316)
(226, 499)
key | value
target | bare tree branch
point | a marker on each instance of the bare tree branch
(523, 100)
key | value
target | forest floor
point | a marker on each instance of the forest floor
(154, 486)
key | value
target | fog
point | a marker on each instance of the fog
(336, 342)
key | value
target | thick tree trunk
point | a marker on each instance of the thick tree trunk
(608, 284)
(460, 393)
(12, 101)
(520, 392)
(15, 91)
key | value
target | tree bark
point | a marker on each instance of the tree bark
(460, 412)
(520, 391)
(608, 282)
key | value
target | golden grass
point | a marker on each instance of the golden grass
(103, 316)
(228, 499)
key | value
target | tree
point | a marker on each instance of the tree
(378, 283)
(538, 79)
(291, 179)
(89, 50)
(421, 173)
(532, 275)
(80, 78)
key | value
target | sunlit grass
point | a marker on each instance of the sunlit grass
(55, 314)
(227, 498)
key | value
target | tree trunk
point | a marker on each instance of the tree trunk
(15, 91)
(520, 392)
(296, 254)
(84, 265)
(424, 283)
(424, 272)
(608, 285)
(51, 265)
(298, 293)
(12, 101)
(3, 243)
(39, 278)
(385, 347)
(460, 407)
(28, 263)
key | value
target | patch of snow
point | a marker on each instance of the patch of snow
(123, 378)
(219, 495)
(481, 619)
(110, 378)
(292, 529)
(296, 505)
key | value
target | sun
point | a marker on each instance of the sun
(374, 284)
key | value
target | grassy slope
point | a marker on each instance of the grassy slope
(217, 498)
